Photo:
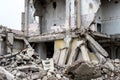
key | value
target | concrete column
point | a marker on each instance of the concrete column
(41, 50)
(26, 17)
(1, 41)
(72, 14)
(10, 41)
(67, 19)
(78, 17)
(113, 52)
(23, 21)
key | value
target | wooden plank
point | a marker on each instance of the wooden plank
(97, 45)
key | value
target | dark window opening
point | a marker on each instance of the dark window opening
(54, 5)
(116, 2)
(54, 25)
(99, 27)
(50, 49)
(117, 53)
(99, 17)
(44, 49)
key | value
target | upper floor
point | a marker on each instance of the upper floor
(42, 18)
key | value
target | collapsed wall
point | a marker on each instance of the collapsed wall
(88, 60)
(63, 40)
(11, 40)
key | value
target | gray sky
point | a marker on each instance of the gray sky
(10, 13)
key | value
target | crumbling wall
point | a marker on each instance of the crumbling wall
(54, 15)
(3, 47)
(89, 9)
(10, 40)
(33, 25)
(101, 15)
(84, 56)
(51, 13)
(18, 45)
(45, 15)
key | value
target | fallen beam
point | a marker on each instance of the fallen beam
(97, 45)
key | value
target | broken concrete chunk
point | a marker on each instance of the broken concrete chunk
(93, 58)
(42, 73)
(30, 52)
(5, 74)
(45, 78)
(52, 78)
(63, 56)
(27, 43)
(84, 50)
(100, 57)
(21, 74)
(28, 67)
(97, 45)
(58, 76)
(56, 56)
(48, 64)
(82, 71)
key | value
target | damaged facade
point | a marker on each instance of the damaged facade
(64, 40)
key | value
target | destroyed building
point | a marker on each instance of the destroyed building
(81, 37)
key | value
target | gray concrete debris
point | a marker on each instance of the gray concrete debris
(105, 69)
(27, 65)
(22, 66)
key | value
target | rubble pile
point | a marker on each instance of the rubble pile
(90, 71)
(27, 65)
(89, 62)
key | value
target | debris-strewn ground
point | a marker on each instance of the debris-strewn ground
(26, 65)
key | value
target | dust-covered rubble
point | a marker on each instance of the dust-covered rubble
(27, 65)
